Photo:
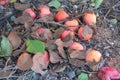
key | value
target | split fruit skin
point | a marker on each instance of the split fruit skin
(93, 56)
(76, 46)
(80, 34)
(30, 12)
(108, 73)
(66, 33)
(44, 10)
(89, 18)
(61, 15)
(72, 24)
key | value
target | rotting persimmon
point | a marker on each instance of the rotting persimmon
(61, 15)
(40, 31)
(72, 24)
(76, 46)
(93, 56)
(66, 33)
(89, 18)
(44, 10)
(30, 12)
(85, 33)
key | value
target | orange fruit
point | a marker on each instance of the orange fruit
(89, 18)
(85, 33)
(93, 55)
(72, 24)
(39, 31)
(76, 46)
(44, 10)
(66, 33)
(30, 12)
(61, 15)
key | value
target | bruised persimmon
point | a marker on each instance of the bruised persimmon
(61, 15)
(85, 33)
(89, 18)
(93, 56)
(44, 10)
(72, 24)
(76, 46)
(66, 33)
(30, 12)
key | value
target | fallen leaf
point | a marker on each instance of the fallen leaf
(14, 39)
(40, 62)
(22, 19)
(5, 73)
(61, 67)
(50, 45)
(60, 45)
(35, 46)
(54, 57)
(20, 6)
(78, 54)
(108, 73)
(83, 76)
(76, 62)
(54, 3)
(24, 61)
(6, 47)
(47, 34)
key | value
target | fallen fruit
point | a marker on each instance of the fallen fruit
(39, 31)
(108, 73)
(66, 33)
(85, 33)
(72, 24)
(3, 2)
(93, 56)
(30, 12)
(76, 46)
(61, 15)
(89, 18)
(44, 10)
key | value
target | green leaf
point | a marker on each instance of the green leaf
(6, 47)
(12, 1)
(113, 21)
(54, 3)
(83, 76)
(98, 3)
(34, 46)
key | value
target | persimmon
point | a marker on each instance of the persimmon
(85, 33)
(39, 31)
(93, 56)
(76, 46)
(72, 24)
(44, 10)
(61, 15)
(30, 12)
(66, 33)
(3, 2)
(89, 18)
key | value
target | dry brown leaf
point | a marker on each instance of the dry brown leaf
(40, 62)
(77, 62)
(60, 45)
(50, 45)
(54, 57)
(78, 54)
(20, 6)
(14, 39)
(47, 34)
(61, 67)
(22, 19)
(24, 61)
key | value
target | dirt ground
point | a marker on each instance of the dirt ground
(107, 41)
